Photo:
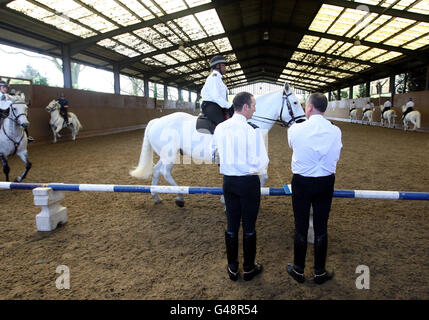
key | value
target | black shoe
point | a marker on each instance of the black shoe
(249, 275)
(232, 275)
(322, 278)
(294, 274)
(30, 139)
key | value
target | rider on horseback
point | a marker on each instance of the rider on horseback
(4, 113)
(409, 106)
(216, 106)
(64, 108)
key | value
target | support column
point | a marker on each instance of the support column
(189, 97)
(116, 79)
(65, 51)
(339, 94)
(146, 87)
(427, 78)
(329, 96)
(180, 94)
(367, 89)
(165, 92)
(392, 87)
(351, 92)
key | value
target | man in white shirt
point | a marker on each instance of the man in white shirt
(242, 156)
(215, 93)
(316, 145)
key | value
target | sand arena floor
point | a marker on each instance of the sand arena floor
(123, 246)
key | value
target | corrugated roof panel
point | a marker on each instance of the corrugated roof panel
(326, 15)
(112, 10)
(354, 51)
(394, 26)
(347, 20)
(223, 44)
(374, 25)
(165, 59)
(136, 7)
(179, 55)
(418, 43)
(370, 54)
(421, 7)
(407, 35)
(170, 6)
(386, 57)
(132, 41)
(98, 23)
(307, 42)
(323, 45)
(153, 37)
(210, 20)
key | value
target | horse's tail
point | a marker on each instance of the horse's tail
(145, 167)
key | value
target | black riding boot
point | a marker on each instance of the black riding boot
(296, 270)
(251, 269)
(29, 138)
(231, 241)
(320, 251)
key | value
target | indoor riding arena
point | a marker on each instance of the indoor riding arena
(119, 245)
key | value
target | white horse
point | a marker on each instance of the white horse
(368, 115)
(414, 117)
(353, 115)
(13, 139)
(387, 117)
(57, 122)
(176, 132)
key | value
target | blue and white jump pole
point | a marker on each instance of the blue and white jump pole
(284, 191)
(48, 195)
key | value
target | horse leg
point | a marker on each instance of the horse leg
(6, 168)
(180, 201)
(73, 131)
(155, 178)
(28, 165)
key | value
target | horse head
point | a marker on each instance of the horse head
(292, 110)
(18, 111)
(53, 105)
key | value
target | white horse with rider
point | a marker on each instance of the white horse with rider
(57, 122)
(368, 113)
(410, 115)
(177, 132)
(13, 139)
(388, 115)
(353, 113)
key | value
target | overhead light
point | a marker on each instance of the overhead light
(357, 41)
(266, 36)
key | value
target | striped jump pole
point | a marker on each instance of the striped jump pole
(286, 190)
(48, 196)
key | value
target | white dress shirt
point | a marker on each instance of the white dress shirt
(215, 90)
(316, 145)
(387, 104)
(410, 104)
(241, 148)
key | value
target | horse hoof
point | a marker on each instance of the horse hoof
(180, 203)
(17, 179)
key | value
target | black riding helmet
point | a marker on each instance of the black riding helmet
(215, 60)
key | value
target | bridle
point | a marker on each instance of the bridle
(280, 121)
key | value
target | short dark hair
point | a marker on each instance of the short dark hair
(241, 99)
(319, 101)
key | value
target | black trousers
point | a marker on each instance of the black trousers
(242, 199)
(316, 192)
(213, 111)
(64, 113)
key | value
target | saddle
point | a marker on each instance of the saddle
(409, 109)
(205, 125)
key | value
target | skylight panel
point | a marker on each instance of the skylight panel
(353, 51)
(371, 27)
(151, 62)
(223, 44)
(179, 55)
(98, 23)
(347, 20)
(323, 45)
(414, 32)
(421, 7)
(132, 41)
(308, 42)
(210, 20)
(165, 59)
(191, 27)
(418, 43)
(394, 26)
(326, 15)
(112, 10)
(136, 7)
(153, 37)
(386, 57)
(170, 6)
(370, 54)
